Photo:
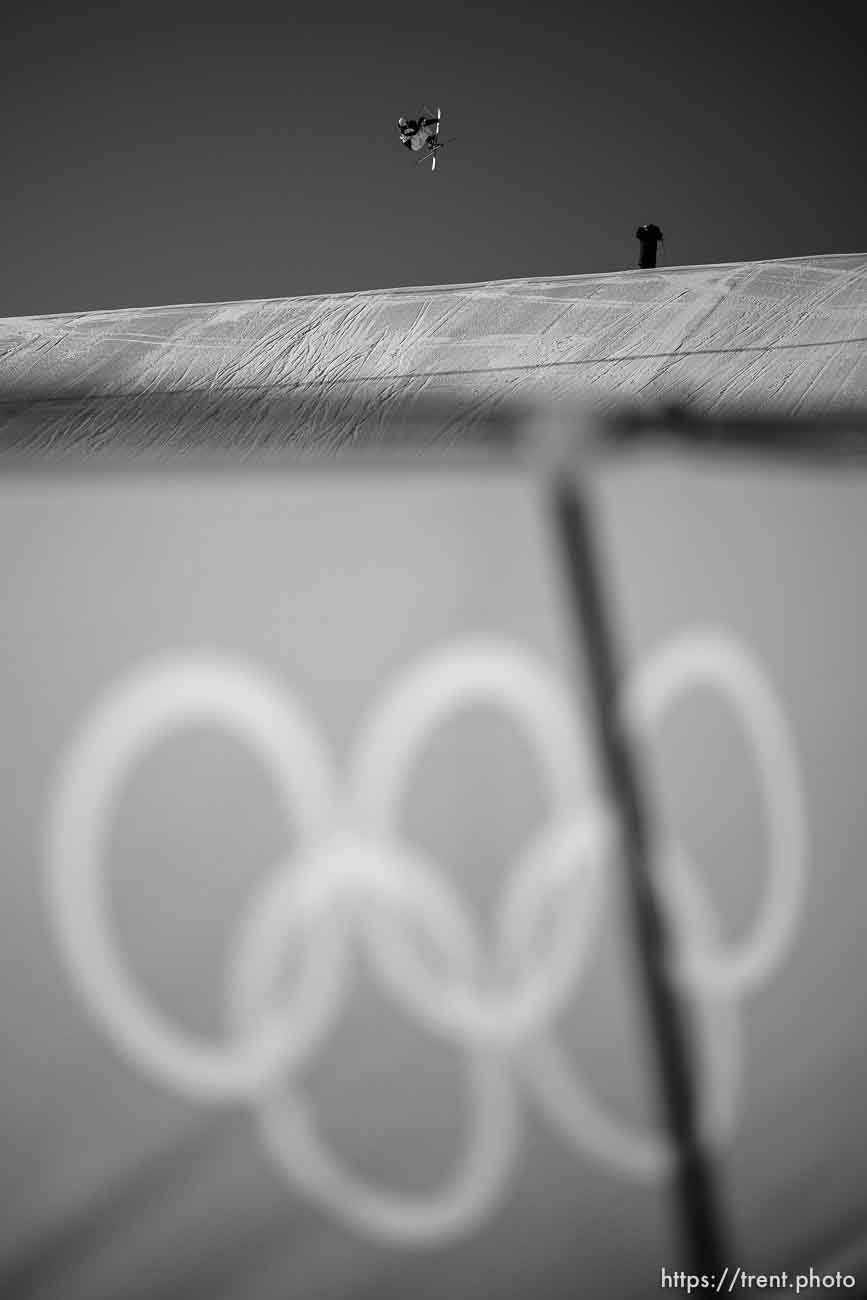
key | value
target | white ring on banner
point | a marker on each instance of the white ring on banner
(710, 657)
(132, 717)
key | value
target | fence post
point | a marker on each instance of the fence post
(694, 1182)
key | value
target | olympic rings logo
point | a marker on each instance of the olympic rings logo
(353, 880)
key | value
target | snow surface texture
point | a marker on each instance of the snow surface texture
(787, 336)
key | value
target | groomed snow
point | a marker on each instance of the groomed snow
(784, 336)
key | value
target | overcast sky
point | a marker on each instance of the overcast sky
(192, 155)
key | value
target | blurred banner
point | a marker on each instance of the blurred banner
(317, 977)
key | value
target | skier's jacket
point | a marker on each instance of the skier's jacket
(415, 135)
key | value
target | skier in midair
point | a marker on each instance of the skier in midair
(415, 133)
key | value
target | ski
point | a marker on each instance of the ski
(433, 165)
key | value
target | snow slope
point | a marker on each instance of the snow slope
(782, 336)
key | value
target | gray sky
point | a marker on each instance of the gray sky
(211, 154)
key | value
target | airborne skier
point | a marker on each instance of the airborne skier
(416, 132)
(422, 135)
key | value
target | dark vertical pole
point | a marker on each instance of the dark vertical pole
(694, 1183)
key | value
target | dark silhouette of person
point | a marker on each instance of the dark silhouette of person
(648, 237)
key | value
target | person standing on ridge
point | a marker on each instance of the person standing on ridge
(648, 237)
